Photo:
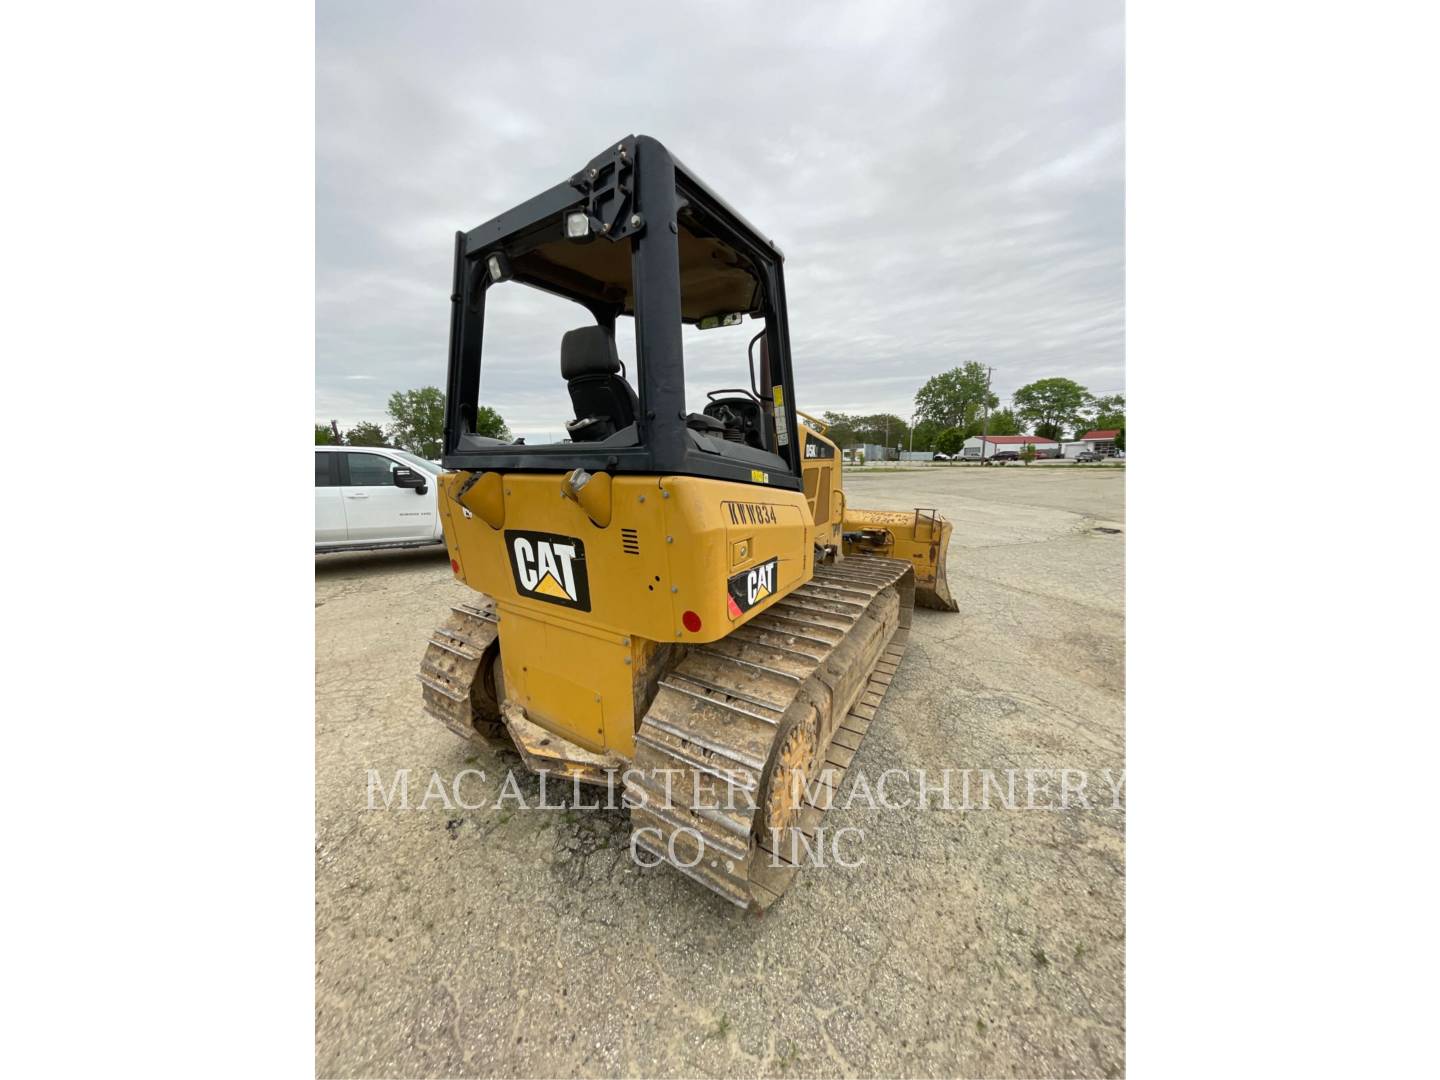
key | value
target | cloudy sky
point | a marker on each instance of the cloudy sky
(946, 181)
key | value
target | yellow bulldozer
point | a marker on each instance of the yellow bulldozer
(675, 600)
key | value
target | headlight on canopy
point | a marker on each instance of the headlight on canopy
(577, 225)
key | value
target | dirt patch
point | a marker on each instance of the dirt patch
(485, 941)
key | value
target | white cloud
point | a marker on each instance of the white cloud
(947, 184)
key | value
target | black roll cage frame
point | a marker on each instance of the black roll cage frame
(634, 192)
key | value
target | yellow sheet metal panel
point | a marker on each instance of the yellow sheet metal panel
(668, 550)
(823, 491)
(568, 678)
(683, 560)
(777, 539)
(591, 686)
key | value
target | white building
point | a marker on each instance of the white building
(1101, 440)
(876, 452)
(994, 444)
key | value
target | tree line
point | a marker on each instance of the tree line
(952, 406)
(417, 424)
(949, 409)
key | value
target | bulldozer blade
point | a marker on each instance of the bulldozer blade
(921, 538)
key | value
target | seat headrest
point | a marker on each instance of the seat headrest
(588, 351)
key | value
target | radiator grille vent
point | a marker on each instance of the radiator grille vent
(630, 541)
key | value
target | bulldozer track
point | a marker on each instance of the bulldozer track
(707, 752)
(796, 687)
(456, 672)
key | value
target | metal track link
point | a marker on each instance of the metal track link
(718, 719)
(454, 674)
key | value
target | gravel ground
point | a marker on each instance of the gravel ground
(485, 942)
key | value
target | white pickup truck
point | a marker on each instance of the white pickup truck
(374, 497)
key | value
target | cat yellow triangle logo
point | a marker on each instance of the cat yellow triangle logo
(549, 567)
(550, 587)
(750, 587)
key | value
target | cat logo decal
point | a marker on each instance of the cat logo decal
(549, 567)
(750, 587)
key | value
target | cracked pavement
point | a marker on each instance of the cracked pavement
(507, 942)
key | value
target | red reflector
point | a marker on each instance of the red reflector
(455, 567)
(691, 621)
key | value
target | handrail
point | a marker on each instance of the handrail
(824, 427)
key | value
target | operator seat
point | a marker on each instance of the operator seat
(604, 402)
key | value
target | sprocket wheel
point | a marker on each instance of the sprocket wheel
(791, 770)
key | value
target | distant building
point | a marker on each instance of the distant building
(993, 444)
(876, 452)
(1101, 440)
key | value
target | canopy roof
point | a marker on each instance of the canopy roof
(714, 278)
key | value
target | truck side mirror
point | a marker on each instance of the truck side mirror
(409, 478)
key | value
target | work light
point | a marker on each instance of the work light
(499, 266)
(577, 225)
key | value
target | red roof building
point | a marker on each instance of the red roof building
(1099, 436)
(988, 446)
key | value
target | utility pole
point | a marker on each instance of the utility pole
(985, 426)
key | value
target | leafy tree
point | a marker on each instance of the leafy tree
(885, 429)
(841, 428)
(956, 397)
(926, 431)
(1120, 439)
(419, 420)
(366, 434)
(1002, 422)
(323, 436)
(950, 441)
(1052, 405)
(490, 423)
(1108, 413)
(1027, 453)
